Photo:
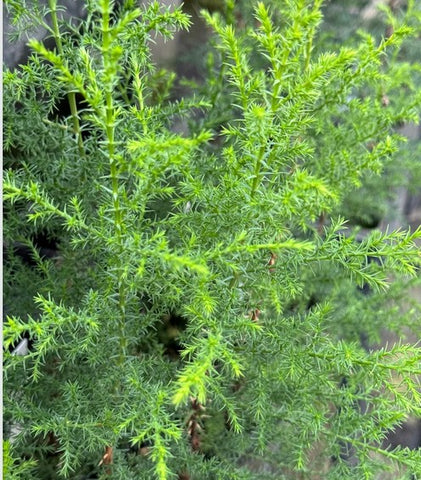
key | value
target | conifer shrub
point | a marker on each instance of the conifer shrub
(202, 312)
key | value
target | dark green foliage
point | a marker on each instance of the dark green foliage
(203, 312)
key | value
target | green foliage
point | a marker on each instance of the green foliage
(13, 471)
(204, 313)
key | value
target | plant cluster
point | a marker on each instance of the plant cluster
(203, 312)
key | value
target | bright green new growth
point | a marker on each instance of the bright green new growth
(233, 225)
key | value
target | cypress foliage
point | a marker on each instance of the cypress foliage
(203, 311)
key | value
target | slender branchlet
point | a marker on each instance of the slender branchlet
(71, 96)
